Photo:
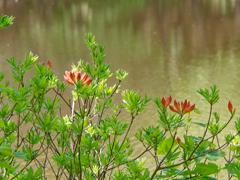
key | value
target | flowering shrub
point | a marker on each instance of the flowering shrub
(91, 142)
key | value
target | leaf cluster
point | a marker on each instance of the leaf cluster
(6, 21)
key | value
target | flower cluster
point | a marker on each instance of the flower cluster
(186, 107)
(73, 76)
(181, 109)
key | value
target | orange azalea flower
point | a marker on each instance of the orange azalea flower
(186, 107)
(166, 102)
(73, 76)
(49, 64)
(230, 107)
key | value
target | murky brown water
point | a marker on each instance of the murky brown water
(168, 47)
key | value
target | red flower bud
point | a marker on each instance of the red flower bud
(178, 140)
(49, 64)
(230, 107)
(166, 102)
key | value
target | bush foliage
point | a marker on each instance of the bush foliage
(91, 141)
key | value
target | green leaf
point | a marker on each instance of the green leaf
(20, 155)
(2, 124)
(169, 173)
(42, 83)
(7, 166)
(235, 147)
(164, 147)
(38, 172)
(206, 169)
(233, 168)
(196, 110)
(237, 156)
(200, 124)
(203, 169)
(4, 153)
(215, 155)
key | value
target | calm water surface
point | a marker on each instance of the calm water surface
(168, 47)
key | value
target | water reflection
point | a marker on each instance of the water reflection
(168, 47)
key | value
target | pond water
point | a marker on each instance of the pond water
(168, 47)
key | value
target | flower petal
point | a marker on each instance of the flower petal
(173, 109)
(74, 71)
(78, 76)
(190, 108)
(84, 77)
(88, 81)
(177, 105)
(168, 101)
(184, 106)
(67, 74)
(163, 102)
(68, 80)
(72, 76)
